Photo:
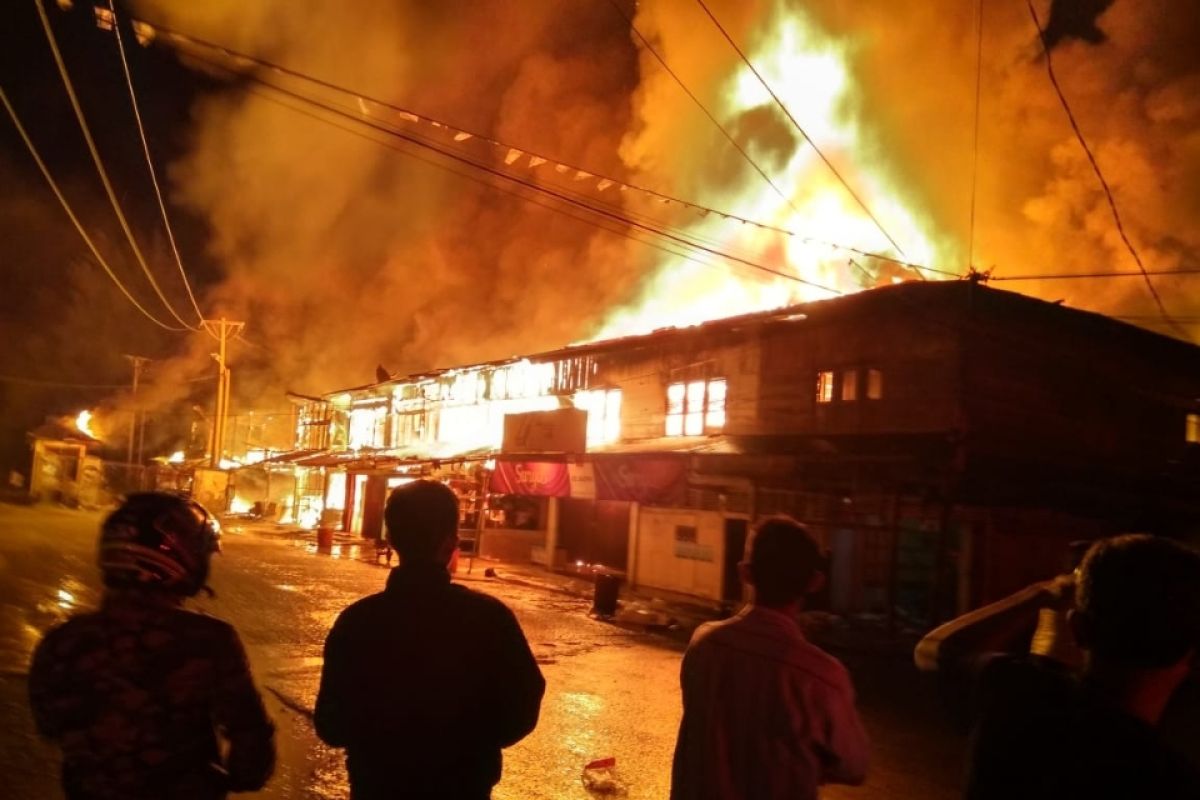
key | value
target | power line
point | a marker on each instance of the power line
(1112, 203)
(467, 134)
(555, 193)
(704, 109)
(12, 112)
(798, 127)
(137, 116)
(20, 379)
(91, 144)
(616, 231)
(1156, 318)
(410, 116)
(60, 384)
(975, 143)
(1067, 276)
(733, 141)
(402, 112)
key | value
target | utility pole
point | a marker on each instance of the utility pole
(137, 362)
(141, 438)
(220, 329)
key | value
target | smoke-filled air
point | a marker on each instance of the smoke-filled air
(343, 247)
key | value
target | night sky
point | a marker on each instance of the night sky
(62, 319)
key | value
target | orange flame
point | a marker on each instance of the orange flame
(84, 423)
(810, 72)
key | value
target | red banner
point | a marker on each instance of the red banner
(537, 478)
(658, 481)
(661, 481)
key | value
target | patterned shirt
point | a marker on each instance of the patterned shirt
(766, 714)
(136, 694)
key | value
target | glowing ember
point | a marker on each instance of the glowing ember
(84, 423)
(176, 457)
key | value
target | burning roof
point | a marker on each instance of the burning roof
(917, 298)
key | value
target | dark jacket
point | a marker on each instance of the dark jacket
(424, 684)
(136, 694)
(1043, 734)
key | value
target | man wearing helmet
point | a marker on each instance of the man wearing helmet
(137, 692)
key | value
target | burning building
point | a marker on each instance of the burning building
(945, 441)
(65, 467)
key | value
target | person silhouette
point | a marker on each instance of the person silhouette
(427, 681)
(767, 714)
(143, 696)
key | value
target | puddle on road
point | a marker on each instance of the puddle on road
(579, 738)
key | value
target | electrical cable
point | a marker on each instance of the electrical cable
(18, 379)
(552, 192)
(12, 112)
(807, 138)
(1066, 276)
(478, 180)
(1193, 320)
(407, 114)
(729, 137)
(91, 144)
(183, 38)
(1112, 203)
(975, 142)
(137, 116)
(59, 384)
(703, 109)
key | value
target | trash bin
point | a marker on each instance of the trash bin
(604, 601)
(324, 539)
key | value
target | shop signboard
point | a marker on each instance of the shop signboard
(563, 430)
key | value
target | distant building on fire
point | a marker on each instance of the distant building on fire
(945, 440)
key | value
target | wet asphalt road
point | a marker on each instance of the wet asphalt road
(610, 692)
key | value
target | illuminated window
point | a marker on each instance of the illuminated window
(603, 407)
(825, 386)
(850, 386)
(695, 407)
(874, 384)
(367, 426)
(612, 415)
(715, 415)
(1192, 431)
(675, 393)
(693, 415)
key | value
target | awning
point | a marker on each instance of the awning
(676, 444)
(368, 459)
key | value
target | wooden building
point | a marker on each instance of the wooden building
(945, 440)
(64, 467)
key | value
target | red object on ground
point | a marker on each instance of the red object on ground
(602, 763)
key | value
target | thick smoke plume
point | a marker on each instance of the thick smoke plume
(342, 254)
(1130, 71)
(1040, 208)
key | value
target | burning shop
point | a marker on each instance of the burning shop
(944, 441)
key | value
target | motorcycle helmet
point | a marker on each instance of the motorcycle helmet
(157, 540)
